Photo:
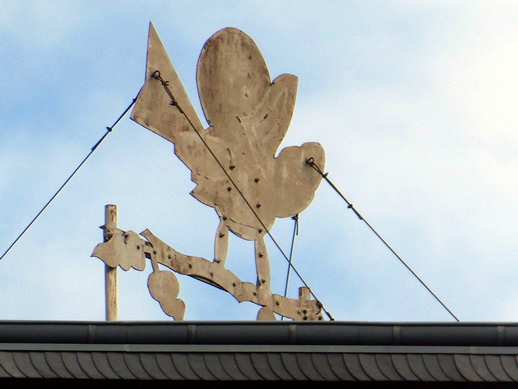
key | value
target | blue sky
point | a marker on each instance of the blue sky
(414, 103)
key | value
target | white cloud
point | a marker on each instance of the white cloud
(40, 24)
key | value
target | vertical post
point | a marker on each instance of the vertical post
(110, 276)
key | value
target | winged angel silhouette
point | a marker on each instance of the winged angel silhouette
(233, 162)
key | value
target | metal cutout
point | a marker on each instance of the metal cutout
(233, 164)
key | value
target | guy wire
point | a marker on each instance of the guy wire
(295, 219)
(312, 163)
(108, 130)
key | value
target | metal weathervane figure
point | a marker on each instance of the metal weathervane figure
(234, 164)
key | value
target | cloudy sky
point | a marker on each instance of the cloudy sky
(414, 103)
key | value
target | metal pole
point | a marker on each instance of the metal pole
(110, 278)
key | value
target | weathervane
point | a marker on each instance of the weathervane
(233, 164)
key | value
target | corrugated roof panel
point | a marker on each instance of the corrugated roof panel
(449, 368)
(418, 367)
(371, 368)
(166, 366)
(118, 364)
(479, 364)
(4, 373)
(263, 367)
(433, 367)
(494, 364)
(56, 364)
(9, 366)
(402, 366)
(338, 365)
(87, 364)
(133, 364)
(386, 365)
(214, 365)
(246, 366)
(276, 364)
(307, 365)
(24, 364)
(183, 367)
(102, 364)
(229, 364)
(279, 352)
(39, 361)
(292, 366)
(354, 367)
(322, 363)
(150, 365)
(71, 363)
(510, 366)
(466, 369)
(199, 366)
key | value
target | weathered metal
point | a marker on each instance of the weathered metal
(110, 275)
(234, 163)
(127, 249)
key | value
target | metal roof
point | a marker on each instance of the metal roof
(260, 351)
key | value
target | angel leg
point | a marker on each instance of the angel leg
(264, 294)
(221, 243)
(262, 265)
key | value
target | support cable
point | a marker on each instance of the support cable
(156, 75)
(311, 162)
(295, 219)
(108, 130)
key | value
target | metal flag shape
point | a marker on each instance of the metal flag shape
(234, 164)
